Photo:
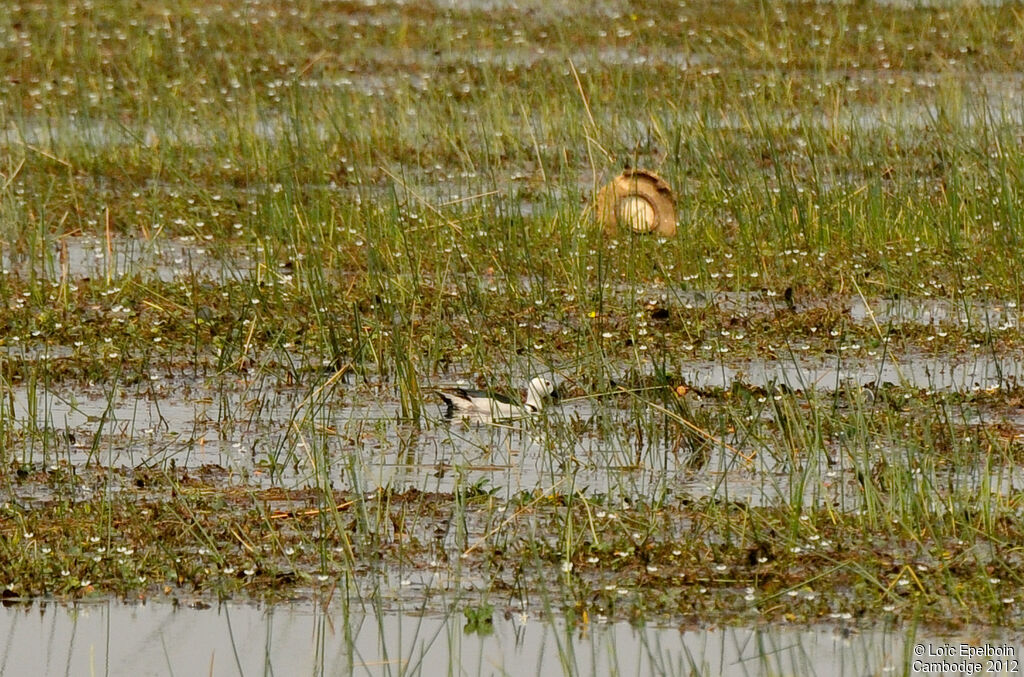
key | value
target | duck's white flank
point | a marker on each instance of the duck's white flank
(490, 406)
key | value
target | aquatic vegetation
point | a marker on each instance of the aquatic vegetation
(242, 243)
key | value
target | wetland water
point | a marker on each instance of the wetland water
(259, 429)
(251, 427)
(805, 408)
(109, 638)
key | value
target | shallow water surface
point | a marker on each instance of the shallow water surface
(277, 434)
(109, 638)
(116, 257)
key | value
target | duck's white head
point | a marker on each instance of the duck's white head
(539, 389)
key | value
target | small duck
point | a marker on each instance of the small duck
(482, 405)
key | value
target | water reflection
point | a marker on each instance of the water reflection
(109, 638)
